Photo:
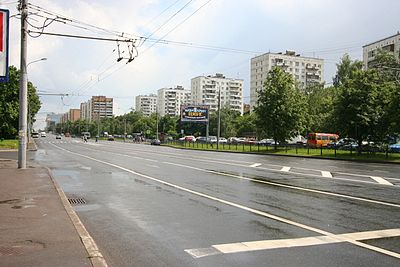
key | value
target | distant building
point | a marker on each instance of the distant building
(206, 90)
(96, 108)
(147, 104)
(74, 114)
(390, 44)
(51, 120)
(71, 115)
(170, 100)
(305, 70)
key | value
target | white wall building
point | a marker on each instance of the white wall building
(390, 44)
(205, 91)
(170, 100)
(147, 104)
(305, 70)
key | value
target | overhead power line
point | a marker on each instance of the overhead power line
(84, 37)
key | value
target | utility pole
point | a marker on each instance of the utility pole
(23, 90)
(219, 117)
(156, 124)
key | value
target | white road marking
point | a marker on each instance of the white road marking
(381, 180)
(287, 186)
(152, 160)
(153, 166)
(288, 243)
(255, 165)
(239, 206)
(285, 169)
(232, 162)
(326, 174)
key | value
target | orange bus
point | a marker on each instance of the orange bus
(321, 139)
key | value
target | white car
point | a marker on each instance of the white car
(223, 140)
(43, 134)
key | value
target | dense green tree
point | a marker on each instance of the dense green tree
(246, 124)
(345, 69)
(320, 106)
(9, 104)
(280, 107)
(360, 107)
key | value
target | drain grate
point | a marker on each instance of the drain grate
(77, 201)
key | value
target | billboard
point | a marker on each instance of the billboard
(4, 22)
(194, 113)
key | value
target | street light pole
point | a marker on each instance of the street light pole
(23, 90)
(219, 117)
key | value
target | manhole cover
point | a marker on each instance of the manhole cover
(19, 248)
(77, 201)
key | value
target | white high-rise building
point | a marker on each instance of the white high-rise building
(170, 100)
(390, 44)
(147, 104)
(305, 70)
(206, 89)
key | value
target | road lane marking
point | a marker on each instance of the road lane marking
(381, 180)
(326, 174)
(255, 165)
(285, 169)
(229, 162)
(287, 186)
(153, 166)
(152, 160)
(239, 206)
(289, 243)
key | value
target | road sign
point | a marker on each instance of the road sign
(4, 22)
(194, 113)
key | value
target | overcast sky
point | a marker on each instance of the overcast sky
(81, 68)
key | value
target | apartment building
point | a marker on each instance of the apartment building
(71, 115)
(305, 70)
(170, 100)
(96, 108)
(205, 90)
(390, 44)
(147, 104)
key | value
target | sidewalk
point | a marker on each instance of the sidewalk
(35, 224)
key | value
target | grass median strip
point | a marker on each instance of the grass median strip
(293, 151)
(8, 144)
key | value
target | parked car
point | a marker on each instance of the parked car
(268, 142)
(297, 140)
(212, 139)
(395, 148)
(155, 142)
(35, 135)
(223, 140)
(110, 138)
(201, 139)
(344, 142)
(43, 134)
(58, 136)
(188, 138)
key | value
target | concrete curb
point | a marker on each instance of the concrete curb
(93, 251)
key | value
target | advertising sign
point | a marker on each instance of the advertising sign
(4, 22)
(194, 113)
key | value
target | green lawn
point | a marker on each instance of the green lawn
(9, 144)
(325, 153)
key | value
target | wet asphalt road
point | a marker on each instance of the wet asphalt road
(159, 206)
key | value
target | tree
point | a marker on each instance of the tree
(345, 70)
(280, 107)
(320, 108)
(360, 107)
(246, 124)
(9, 104)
